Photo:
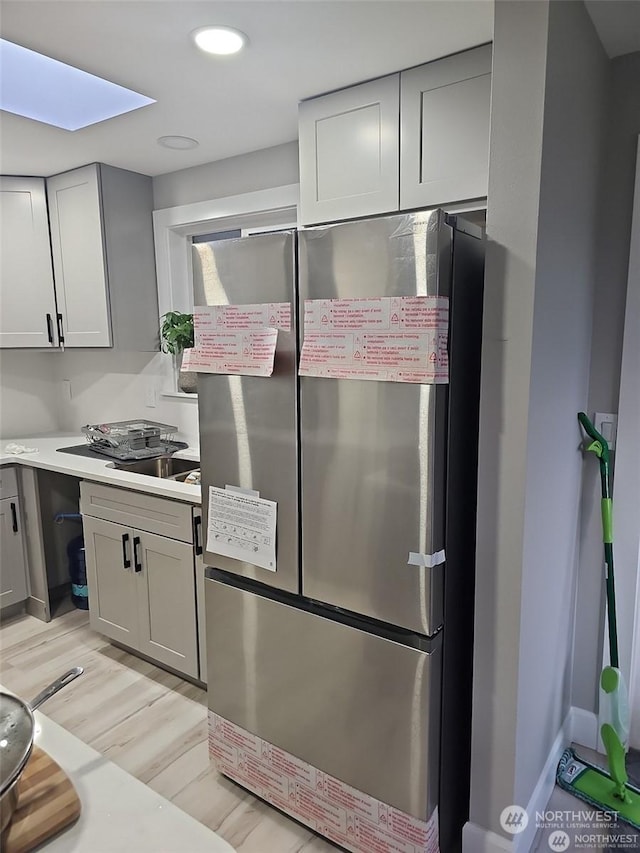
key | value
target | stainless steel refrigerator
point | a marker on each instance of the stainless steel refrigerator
(353, 659)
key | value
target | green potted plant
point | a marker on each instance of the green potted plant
(176, 335)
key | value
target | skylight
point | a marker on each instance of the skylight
(41, 88)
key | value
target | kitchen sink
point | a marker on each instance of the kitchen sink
(166, 467)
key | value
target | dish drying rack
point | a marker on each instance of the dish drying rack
(131, 440)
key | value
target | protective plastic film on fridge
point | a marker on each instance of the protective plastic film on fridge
(339, 690)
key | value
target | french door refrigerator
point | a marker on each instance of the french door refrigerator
(339, 685)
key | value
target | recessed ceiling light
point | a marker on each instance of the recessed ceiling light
(219, 40)
(180, 143)
(38, 87)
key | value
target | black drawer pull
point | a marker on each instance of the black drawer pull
(197, 527)
(14, 518)
(137, 565)
(60, 329)
(126, 561)
(49, 328)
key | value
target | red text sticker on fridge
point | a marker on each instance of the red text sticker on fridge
(236, 339)
(397, 339)
(267, 315)
(243, 527)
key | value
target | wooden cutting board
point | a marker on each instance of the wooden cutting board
(47, 803)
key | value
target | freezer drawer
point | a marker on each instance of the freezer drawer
(361, 707)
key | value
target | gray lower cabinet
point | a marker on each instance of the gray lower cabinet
(142, 585)
(166, 601)
(14, 586)
(113, 586)
(202, 625)
(13, 570)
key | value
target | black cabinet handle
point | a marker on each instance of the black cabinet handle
(60, 329)
(126, 562)
(14, 518)
(137, 565)
(197, 526)
(50, 328)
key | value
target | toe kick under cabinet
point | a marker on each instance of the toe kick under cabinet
(141, 561)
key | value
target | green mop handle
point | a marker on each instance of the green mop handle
(600, 447)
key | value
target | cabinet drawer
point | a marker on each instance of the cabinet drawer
(8, 483)
(136, 509)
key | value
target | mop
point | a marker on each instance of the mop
(608, 791)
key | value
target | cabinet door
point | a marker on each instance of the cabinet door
(113, 608)
(79, 257)
(444, 138)
(13, 571)
(26, 278)
(349, 152)
(202, 624)
(166, 601)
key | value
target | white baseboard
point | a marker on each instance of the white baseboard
(579, 726)
(475, 839)
(544, 786)
(584, 727)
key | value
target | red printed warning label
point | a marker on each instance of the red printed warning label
(235, 736)
(293, 767)
(398, 339)
(243, 353)
(348, 817)
(222, 751)
(361, 804)
(244, 318)
(261, 774)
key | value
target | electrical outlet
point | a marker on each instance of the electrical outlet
(607, 425)
(150, 396)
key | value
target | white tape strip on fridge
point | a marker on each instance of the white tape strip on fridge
(427, 560)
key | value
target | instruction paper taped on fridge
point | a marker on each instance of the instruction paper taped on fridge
(392, 338)
(243, 527)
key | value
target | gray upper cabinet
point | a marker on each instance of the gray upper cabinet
(444, 131)
(103, 258)
(26, 278)
(416, 139)
(349, 152)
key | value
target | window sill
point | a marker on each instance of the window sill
(180, 395)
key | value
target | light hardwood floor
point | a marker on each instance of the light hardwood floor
(147, 721)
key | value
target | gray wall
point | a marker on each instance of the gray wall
(28, 393)
(568, 229)
(547, 123)
(623, 127)
(517, 104)
(259, 170)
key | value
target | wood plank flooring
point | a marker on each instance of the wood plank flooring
(147, 721)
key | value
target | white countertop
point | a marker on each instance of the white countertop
(98, 469)
(118, 812)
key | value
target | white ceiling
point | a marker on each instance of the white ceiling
(298, 48)
(230, 104)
